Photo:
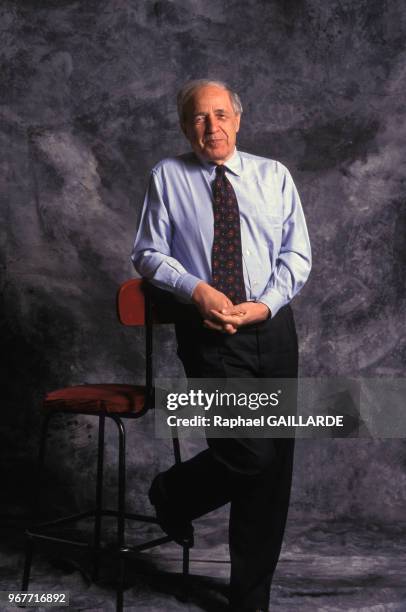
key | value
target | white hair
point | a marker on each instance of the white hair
(187, 91)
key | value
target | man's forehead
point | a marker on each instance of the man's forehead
(211, 96)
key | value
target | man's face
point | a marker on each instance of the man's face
(211, 124)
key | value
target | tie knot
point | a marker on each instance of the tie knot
(220, 171)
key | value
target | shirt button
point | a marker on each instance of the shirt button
(248, 252)
(255, 283)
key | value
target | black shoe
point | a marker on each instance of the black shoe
(180, 530)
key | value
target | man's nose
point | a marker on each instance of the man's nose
(211, 123)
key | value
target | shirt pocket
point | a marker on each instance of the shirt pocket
(269, 212)
(270, 233)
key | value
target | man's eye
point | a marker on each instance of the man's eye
(199, 119)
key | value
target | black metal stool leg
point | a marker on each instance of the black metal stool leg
(120, 586)
(121, 512)
(185, 572)
(99, 499)
(176, 448)
(185, 563)
(35, 503)
(185, 547)
(40, 465)
(27, 563)
(121, 482)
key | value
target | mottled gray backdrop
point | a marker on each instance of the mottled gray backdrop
(88, 105)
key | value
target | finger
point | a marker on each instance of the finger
(232, 312)
(211, 325)
(215, 315)
(228, 312)
(234, 319)
(228, 328)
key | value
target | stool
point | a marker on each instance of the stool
(115, 402)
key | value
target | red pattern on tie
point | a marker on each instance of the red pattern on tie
(227, 272)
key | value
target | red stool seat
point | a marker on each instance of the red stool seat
(108, 398)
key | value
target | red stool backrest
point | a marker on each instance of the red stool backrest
(131, 302)
(138, 302)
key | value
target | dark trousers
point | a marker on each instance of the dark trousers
(253, 474)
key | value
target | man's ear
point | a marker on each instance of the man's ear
(237, 121)
(183, 127)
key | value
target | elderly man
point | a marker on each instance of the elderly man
(224, 231)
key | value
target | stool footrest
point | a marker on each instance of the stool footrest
(54, 539)
(65, 519)
(146, 545)
(32, 535)
(132, 516)
(91, 513)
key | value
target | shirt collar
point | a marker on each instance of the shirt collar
(233, 164)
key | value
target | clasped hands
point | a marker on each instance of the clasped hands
(221, 314)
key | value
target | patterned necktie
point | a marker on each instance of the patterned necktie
(227, 273)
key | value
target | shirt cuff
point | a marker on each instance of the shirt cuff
(185, 286)
(273, 299)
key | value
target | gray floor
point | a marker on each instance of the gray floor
(323, 567)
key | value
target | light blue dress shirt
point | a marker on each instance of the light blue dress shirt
(174, 240)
